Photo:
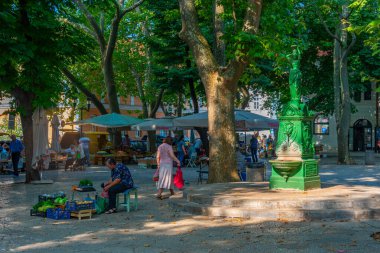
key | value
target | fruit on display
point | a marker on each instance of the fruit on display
(85, 182)
(42, 206)
(60, 201)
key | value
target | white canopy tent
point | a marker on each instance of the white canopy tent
(245, 121)
(165, 123)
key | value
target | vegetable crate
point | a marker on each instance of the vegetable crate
(58, 214)
(74, 206)
(51, 197)
(37, 213)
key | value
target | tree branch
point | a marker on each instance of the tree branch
(251, 25)
(348, 49)
(327, 28)
(353, 9)
(138, 3)
(93, 23)
(157, 103)
(192, 35)
(74, 81)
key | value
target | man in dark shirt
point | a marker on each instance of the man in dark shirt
(16, 147)
(121, 180)
(254, 145)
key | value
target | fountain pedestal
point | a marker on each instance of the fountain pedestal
(304, 177)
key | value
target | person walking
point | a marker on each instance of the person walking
(165, 158)
(254, 143)
(121, 180)
(16, 148)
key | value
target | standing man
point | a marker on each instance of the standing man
(181, 150)
(254, 145)
(84, 144)
(16, 148)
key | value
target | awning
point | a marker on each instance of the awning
(244, 120)
(112, 120)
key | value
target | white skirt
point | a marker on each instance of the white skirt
(165, 178)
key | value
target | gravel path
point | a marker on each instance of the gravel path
(157, 228)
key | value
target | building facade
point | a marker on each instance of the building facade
(364, 132)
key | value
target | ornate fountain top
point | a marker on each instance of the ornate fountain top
(295, 74)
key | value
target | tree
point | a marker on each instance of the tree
(220, 83)
(34, 45)
(107, 46)
(342, 49)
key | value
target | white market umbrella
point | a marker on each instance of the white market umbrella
(244, 121)
(55, 134)
(40, 134)
(165, 123)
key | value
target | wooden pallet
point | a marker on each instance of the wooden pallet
(82, 214)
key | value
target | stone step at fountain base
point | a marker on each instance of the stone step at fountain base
(256, 201)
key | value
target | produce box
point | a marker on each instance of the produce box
(52, 197)
(57, 214)
(74, 206)
(37, 213)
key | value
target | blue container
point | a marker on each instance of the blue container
(73, 206)
(57, 214)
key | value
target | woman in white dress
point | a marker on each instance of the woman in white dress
(165, 158)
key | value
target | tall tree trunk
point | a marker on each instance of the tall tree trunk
(219, 46)
(221, 86)
(179, 103)
(24, 101)
(342, 99)
(140, 89)
(221, 102)
(190, 81)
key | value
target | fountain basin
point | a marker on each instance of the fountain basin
(286, 168)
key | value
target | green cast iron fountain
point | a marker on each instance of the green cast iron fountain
(295, 167)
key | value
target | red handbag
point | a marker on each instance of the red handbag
(178, 178)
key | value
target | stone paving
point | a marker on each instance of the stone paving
(155, 227)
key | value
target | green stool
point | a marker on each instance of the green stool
(127, 199)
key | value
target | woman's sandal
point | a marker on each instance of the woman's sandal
(113, 210)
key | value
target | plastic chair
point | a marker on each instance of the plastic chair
(127, 199)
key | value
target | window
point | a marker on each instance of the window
(256, 105)
(132, 100)
(357, 96)
(367, 92)
(321, 125)
(162, 132)
(137, 133)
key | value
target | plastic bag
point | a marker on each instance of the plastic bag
(101, 205)
(156, 175)
(178, 179)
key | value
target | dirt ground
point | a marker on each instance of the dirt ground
(155, 227)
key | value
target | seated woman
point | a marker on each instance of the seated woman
(71, 155)
(121, 180)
